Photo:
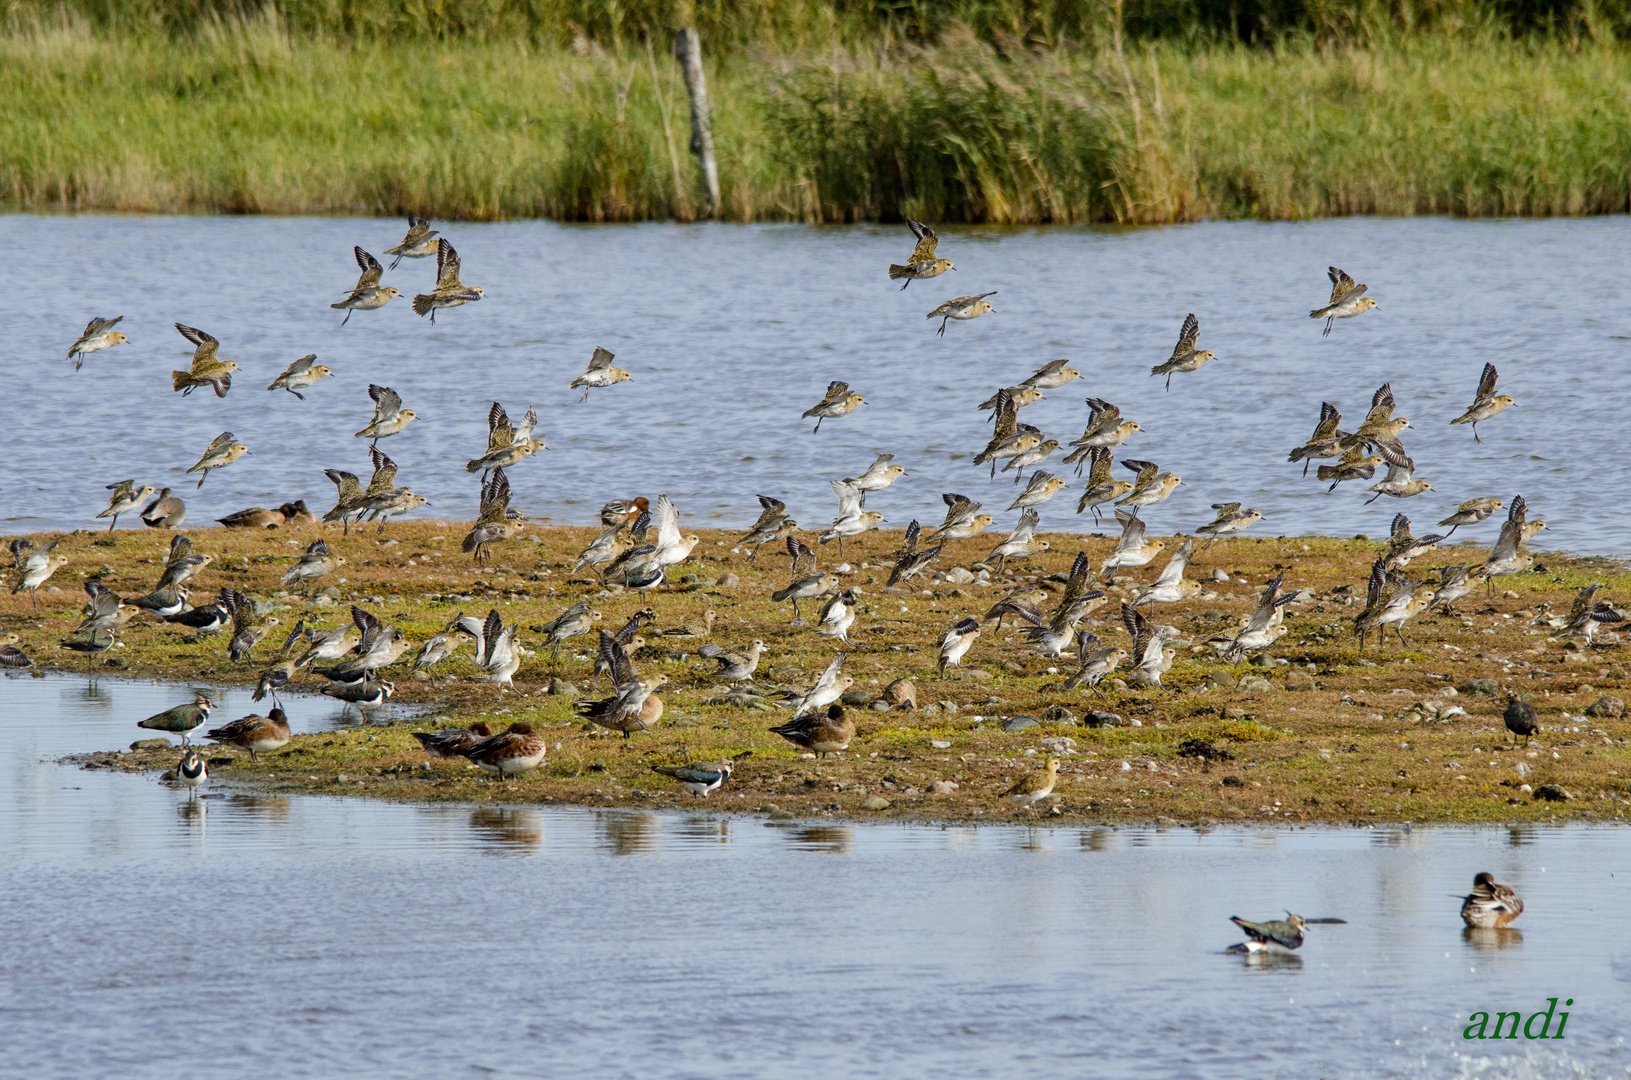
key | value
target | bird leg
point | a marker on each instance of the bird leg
(115, 523)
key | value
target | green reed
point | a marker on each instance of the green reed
(247, 117)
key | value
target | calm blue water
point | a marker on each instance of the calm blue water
(732, 331)
(252, 935)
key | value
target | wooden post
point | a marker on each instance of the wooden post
(689, 48)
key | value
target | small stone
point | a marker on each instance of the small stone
(940, 744)
(876, 802)
(855, 698)
(150, 744)
(1552, 793)
(901, 694)
(728, 581)
(1102, 719)
(1301, 684)
(1606, 706)
(1232, 781)
(1483, 688)
(562, 688)
(1165, 822)
(949, 707)
(1020, 723)
(959, 575)
(1234, 713)
(942, 787)
(1262, 660)
(1255, 684)
(931, 710)
(1221, 680)
(1012, 666)
(976, 674)
(880, 706)
(421, 675)
(1059, 744)
(330, 592)
(1220, 574)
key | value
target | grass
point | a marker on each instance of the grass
(245, 117)
(1340, 737)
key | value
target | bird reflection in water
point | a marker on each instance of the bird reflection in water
(1273, 961)
(267, 807)
(91, 693)
(1097, 840)
(512, 829)
(835, 839)
(629, 834)
(194, 813)
(704, 830)
(1490, 938)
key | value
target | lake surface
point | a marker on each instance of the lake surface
(732, 331)
(264, 934)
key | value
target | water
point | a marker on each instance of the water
(305, 936)
(732, 331)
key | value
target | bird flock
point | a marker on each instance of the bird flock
(641, 541)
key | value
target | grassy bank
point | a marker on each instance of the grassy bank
(1337, 735)
(247, 118)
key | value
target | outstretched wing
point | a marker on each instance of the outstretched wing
(500, 433)
(926, 242)
(387, 402)
(850, 499)
(371, 269)
(1486, 383)
(206, 345)
(803, 557)
(667, 520)
(616, 659)
(1146, 471)
(601, 360)
(1343, 287)
(1132, 531)
(1187, 337)
(1327, 427)
(447, 266)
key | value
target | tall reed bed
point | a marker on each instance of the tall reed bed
(247, 118)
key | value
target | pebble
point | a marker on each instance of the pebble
(1552, 793)
(942, 787)
(1020, 723)
(1483, 688)
(876, 802)
(1102, 719)
(1255, 684)
(562, 688)
(150, 744)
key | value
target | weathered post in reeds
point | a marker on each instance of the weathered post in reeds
(689, 48)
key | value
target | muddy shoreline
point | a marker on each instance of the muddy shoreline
(1316, 732)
